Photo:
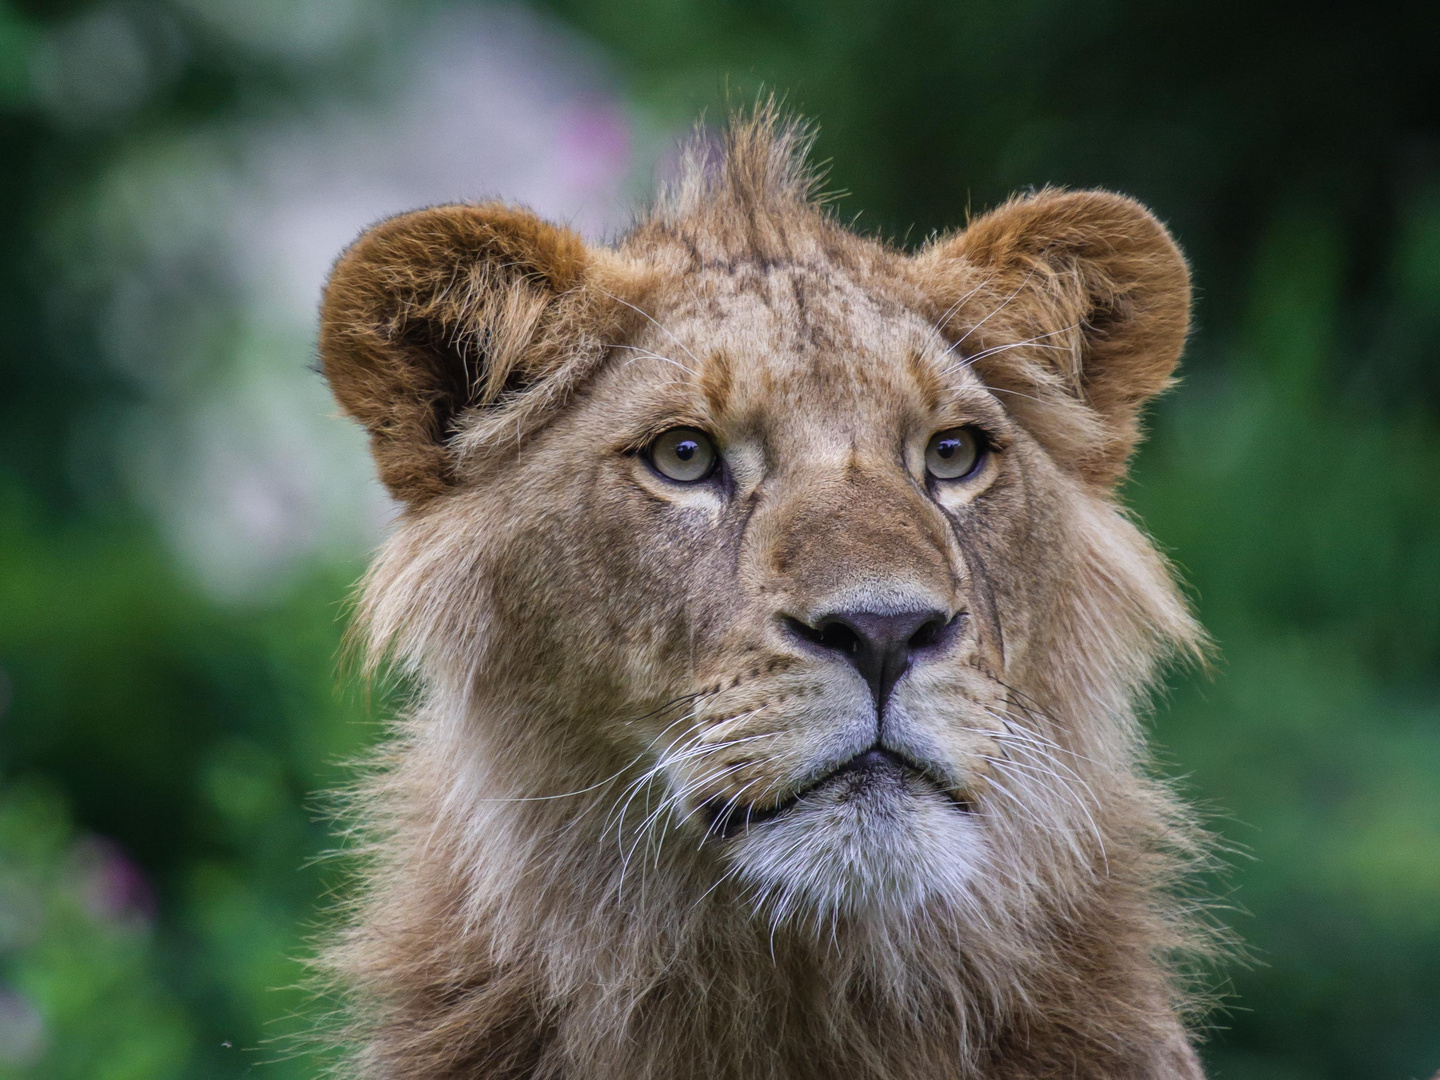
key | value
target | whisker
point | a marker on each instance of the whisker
(1060, 828)
(699, 782)
(726, 876)
(613, 776)
(725, 811)
(629, 795)
(1079, 803)
(1024, 807)
(632, 790)
(944, 320)
(1035, 738)
(1001, 307)
(659, 326)
(992, 350)
(646, 354)
(683, 749)
(675, 799)
(1016, 393)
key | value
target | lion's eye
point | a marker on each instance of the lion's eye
(683, 454)
(954, 454)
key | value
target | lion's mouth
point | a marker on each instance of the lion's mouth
(865, 772)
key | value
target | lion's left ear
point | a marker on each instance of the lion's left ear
(1076, 306)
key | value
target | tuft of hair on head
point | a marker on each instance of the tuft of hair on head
(759, 159)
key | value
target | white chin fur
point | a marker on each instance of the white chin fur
(860, 847)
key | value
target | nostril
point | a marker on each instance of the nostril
(857, 634)
(829, 634)
(928, 634)
(838, 636)
(800, 629)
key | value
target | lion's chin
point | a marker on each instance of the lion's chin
(865, 842)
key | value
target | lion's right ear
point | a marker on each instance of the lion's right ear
(434, 315)
(1076, 305)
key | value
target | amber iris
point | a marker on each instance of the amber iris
(953, 454)
(683, 454)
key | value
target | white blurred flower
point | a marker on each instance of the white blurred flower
(214, 251)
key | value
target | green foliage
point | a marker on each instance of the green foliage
(83, 999)
(159, 750)
(1310, 527)
(191, 738)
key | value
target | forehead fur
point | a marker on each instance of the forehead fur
(762, 297)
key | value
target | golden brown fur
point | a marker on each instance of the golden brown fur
(613, 668)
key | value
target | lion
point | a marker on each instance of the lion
(778, 641)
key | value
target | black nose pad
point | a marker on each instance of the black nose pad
(880, 647)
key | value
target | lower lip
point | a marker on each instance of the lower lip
(729, 823)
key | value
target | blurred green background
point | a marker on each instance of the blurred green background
(181, 514)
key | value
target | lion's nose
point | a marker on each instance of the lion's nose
(880, 647)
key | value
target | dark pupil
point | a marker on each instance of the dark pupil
(947, 447)
(686, 450)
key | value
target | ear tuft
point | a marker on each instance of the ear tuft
(438, 312)
(1097, 287)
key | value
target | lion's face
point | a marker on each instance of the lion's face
(827, 613)
(784, 561)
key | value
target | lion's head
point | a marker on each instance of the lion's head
(753, 566)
